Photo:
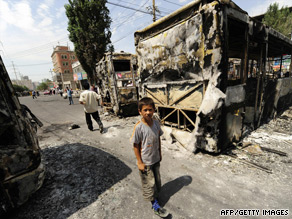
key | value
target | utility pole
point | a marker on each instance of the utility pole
(62, 80)
(51, 74)
(153, 10)
(21, 78)
(15, 73)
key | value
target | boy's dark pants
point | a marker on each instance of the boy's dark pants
(95, 116)
(151, 181)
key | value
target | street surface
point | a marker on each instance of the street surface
(93, 175)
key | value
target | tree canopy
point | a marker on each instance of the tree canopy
(19, 88)
(279, 19)
(43, 86)
(89, 28)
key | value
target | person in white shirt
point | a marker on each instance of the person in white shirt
(89, 99)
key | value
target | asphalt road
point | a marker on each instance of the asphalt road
(93, 175)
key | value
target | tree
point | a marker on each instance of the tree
(89, 28)
(19, 88)
(43, 86)
(279, 19)
(47, 80)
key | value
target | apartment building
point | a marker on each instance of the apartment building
(62, 58)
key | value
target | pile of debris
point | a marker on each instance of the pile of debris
(269, 147)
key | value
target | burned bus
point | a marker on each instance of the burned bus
(118, 74)
(206, 66)
(21, 168)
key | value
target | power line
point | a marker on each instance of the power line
(131, 32)
(136, 11)
(120, 24)
(38, 49)
(122, 6)
(114, 7)
(173, 3)
(33, 64)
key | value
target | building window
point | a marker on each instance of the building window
(65, 63)
(64, 56)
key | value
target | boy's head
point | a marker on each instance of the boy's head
(146, 108)
(146, 101)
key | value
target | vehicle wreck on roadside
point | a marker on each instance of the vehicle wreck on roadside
(21, 168)
(186, 63)
(117, 73)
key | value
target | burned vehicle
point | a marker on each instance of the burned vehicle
(207, 67)
(21, 168)
(117, 73)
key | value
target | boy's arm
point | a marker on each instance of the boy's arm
(137, 151)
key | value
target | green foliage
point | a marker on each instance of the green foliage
(46, 80)
(43, 86)
(89, 28)
(19, 88)
(279, 19)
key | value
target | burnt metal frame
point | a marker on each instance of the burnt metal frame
(112, 81)
(176, 109)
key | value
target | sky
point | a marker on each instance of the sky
(29, 29)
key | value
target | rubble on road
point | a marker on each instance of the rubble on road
(76, 176)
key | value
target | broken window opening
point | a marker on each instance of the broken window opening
(121, 65)
(253, 69)
(234, 71)
(177, 118)
(123, 72)
(281, 66)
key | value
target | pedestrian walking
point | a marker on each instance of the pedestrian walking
(90, 99)
(147, 149)
(69, 94)
(34, 94)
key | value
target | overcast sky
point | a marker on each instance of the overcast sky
(30, 29)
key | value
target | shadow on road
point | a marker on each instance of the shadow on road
(76, 175)
(172, 187)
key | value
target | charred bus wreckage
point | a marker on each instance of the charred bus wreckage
(118, 74)
(208, 68)
(21, 168)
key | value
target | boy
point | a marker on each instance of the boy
(147, 148)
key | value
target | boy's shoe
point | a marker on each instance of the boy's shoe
(101, 129)
(161, 212)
